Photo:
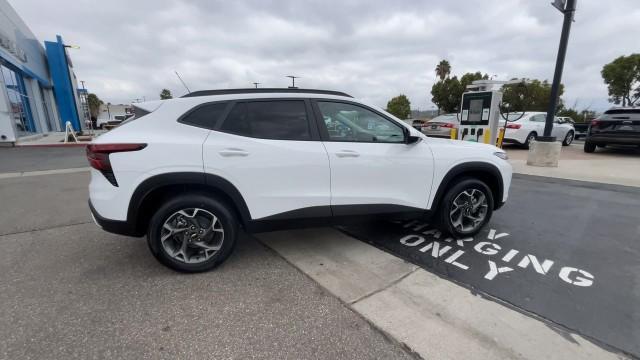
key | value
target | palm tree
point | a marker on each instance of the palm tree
(443, 69)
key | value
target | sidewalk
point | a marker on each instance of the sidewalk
(56, 139)
(612, 166)
(433, 317)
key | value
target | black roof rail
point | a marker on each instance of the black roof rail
(263, 91)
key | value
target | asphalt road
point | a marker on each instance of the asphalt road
(18, 159)
(70, 290)
(565, 251)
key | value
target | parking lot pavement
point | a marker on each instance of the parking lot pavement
(611, 165)
(20, 159)
(70, 290)
(561, 250)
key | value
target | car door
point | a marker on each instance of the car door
(270, 152)
(370, 162)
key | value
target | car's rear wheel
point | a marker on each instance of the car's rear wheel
(532, 136)
(568, 139)
(192, 233)
(465, 208)
(589, 147)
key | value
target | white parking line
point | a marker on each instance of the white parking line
(11, 175)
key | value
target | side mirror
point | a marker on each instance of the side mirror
(412, 139)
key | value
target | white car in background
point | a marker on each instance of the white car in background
(523, 130)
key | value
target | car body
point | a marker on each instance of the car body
(521, 129)
(264, 159)
(617, 126)
(441, 126)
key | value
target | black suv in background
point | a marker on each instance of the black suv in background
(617, 126)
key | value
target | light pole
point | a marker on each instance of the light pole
(567, 7)
(256, 84)
(293, 81)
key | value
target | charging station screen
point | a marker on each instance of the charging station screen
(475, 111)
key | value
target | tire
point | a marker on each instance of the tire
(568, 139)
(532, 136)
(103, 126)
(195, 223)
(446, 211)
(589, 147)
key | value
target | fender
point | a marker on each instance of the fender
(472, 167)
(201, 180)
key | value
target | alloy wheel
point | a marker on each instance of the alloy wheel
(569, 138)
(469, 210)
(192, 235)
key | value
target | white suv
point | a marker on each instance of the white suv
(189, 172)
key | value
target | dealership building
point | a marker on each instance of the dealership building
(38, 88)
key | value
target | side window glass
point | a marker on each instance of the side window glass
(278, 120)
(347, 122)
(206, 115)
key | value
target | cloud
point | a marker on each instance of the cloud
(372, 49)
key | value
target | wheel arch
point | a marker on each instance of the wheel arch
(487, 172)
(157, 189)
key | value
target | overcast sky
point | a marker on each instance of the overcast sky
(371, 49)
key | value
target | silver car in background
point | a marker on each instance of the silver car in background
(441, 126)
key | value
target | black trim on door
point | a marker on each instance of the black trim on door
(336, 215)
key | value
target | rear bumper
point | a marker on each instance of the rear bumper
(113, 226)
(614, 139)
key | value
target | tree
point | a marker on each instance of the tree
(400, 106)
(94, 105)
(165, 94)
(443, 69)
(468, 78)
(531, 96)
(447, 93)
(622, 77)
(570, 112)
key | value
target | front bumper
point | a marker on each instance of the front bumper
(114, 226)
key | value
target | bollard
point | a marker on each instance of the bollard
(454, 134)
(500, 138)
(487, 137)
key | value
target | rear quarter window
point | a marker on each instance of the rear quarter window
(205, 116)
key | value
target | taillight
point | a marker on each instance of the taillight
(595, 123)
(98, 156)
(514, 126)
(447, 125)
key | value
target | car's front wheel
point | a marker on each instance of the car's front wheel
(192, 233)
(465, 208)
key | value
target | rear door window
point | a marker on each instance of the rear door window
(273, 119)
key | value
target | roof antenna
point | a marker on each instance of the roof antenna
(293, 81)
(183, 84)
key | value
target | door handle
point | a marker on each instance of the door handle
(347, 153)
(233, 152)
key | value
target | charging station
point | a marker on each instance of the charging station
(480, 112)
